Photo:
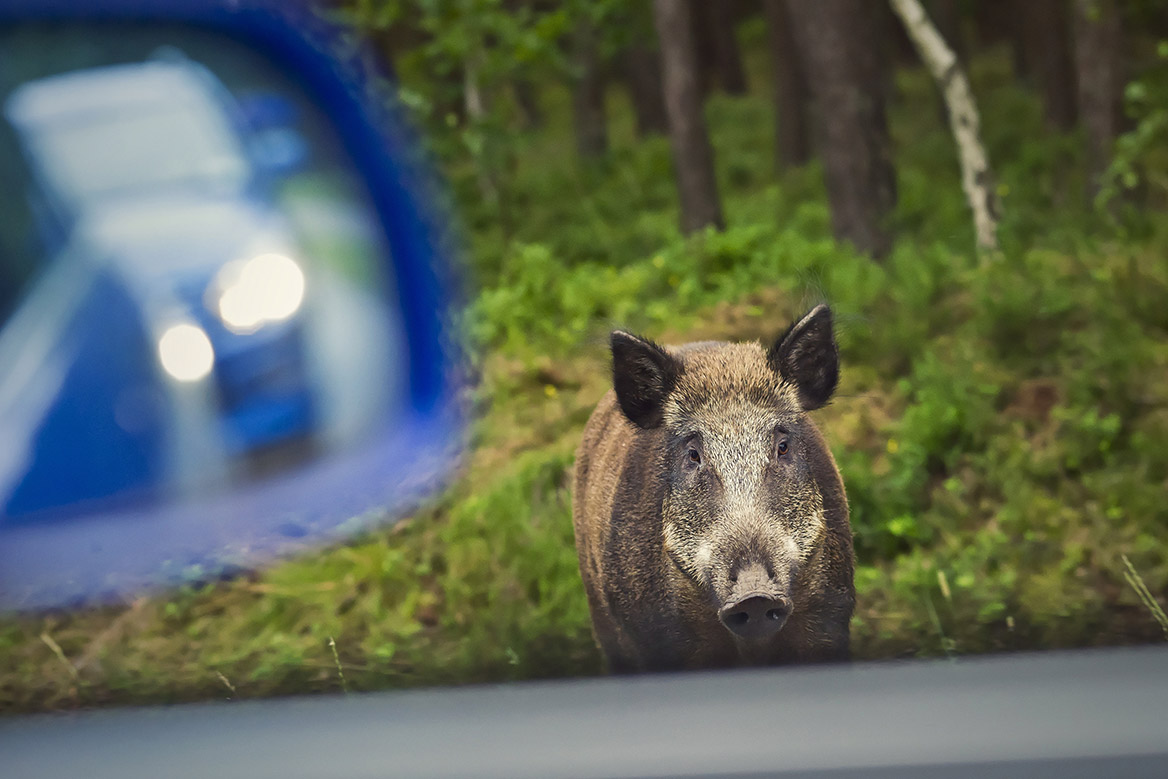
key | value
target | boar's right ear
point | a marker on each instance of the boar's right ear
(807, 356)
(643, 375)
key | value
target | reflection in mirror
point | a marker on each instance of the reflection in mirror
(193, 294)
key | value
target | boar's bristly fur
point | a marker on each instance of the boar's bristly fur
(711, 520)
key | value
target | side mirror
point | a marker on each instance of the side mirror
(203, 365)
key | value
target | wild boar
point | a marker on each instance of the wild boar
(711, 521)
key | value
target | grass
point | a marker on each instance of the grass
(1137, 583)
(1002, 429)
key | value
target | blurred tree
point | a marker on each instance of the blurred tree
(693, 157)
(1000, 21)
(792, 99)
(845, 67)
(527, 102)
(457, 61)
(589, 117)
(946, 15)
(641, 66)
(719, 60)
(523, 87)
(608, 37)
(1046, 35)
(630, 35)
(963, 118)
(947, 18)
(894, 44)
(1098, 41)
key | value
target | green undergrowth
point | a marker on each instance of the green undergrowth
(1002, 423)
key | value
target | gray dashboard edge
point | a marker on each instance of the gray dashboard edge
(1084, 713)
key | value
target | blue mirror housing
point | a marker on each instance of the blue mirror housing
(194, 402)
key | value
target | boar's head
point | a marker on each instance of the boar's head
(742, 463)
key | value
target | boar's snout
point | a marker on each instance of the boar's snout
(755, 609)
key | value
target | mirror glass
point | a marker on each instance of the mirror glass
(196, 301)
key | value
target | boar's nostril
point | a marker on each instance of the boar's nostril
(755, 616)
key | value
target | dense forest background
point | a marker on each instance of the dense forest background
(703, 170)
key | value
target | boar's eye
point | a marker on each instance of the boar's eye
(782, 446)
(691, 452)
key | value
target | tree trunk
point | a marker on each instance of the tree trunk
(963, 119)
(999, 21)
(1098, 41)
(1046, 33)
(475, 100)
(588, 94)
(529, 111)
(522, 87)
(792, 139)
(946, 14)
(894, 44)
(715, 24)
(1020, 56)
(642, 67)
(946, 17)
(837, 40)
(477, 104)
(693, 158)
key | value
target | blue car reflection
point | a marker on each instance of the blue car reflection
(167, 322)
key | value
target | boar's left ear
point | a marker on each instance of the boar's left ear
(643, 375)
(807, 356)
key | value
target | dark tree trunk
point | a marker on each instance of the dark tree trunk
(703, 45)
(1098, 42)
(999, 21)
(792, 138)
(992, 21)
(588, 94)
(714, 29)
(839, 46)
(1020, 57)
(894, 44)
(642, 67)
(1046, 33)
(946, 15)
(693, 158)
(888, 48)
(529, 111)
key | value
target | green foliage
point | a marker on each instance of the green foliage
(1141, 154)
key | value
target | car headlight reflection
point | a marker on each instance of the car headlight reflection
(263, 289)
(186, 352)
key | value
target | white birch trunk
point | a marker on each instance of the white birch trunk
(476, 104)
(976, 178)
